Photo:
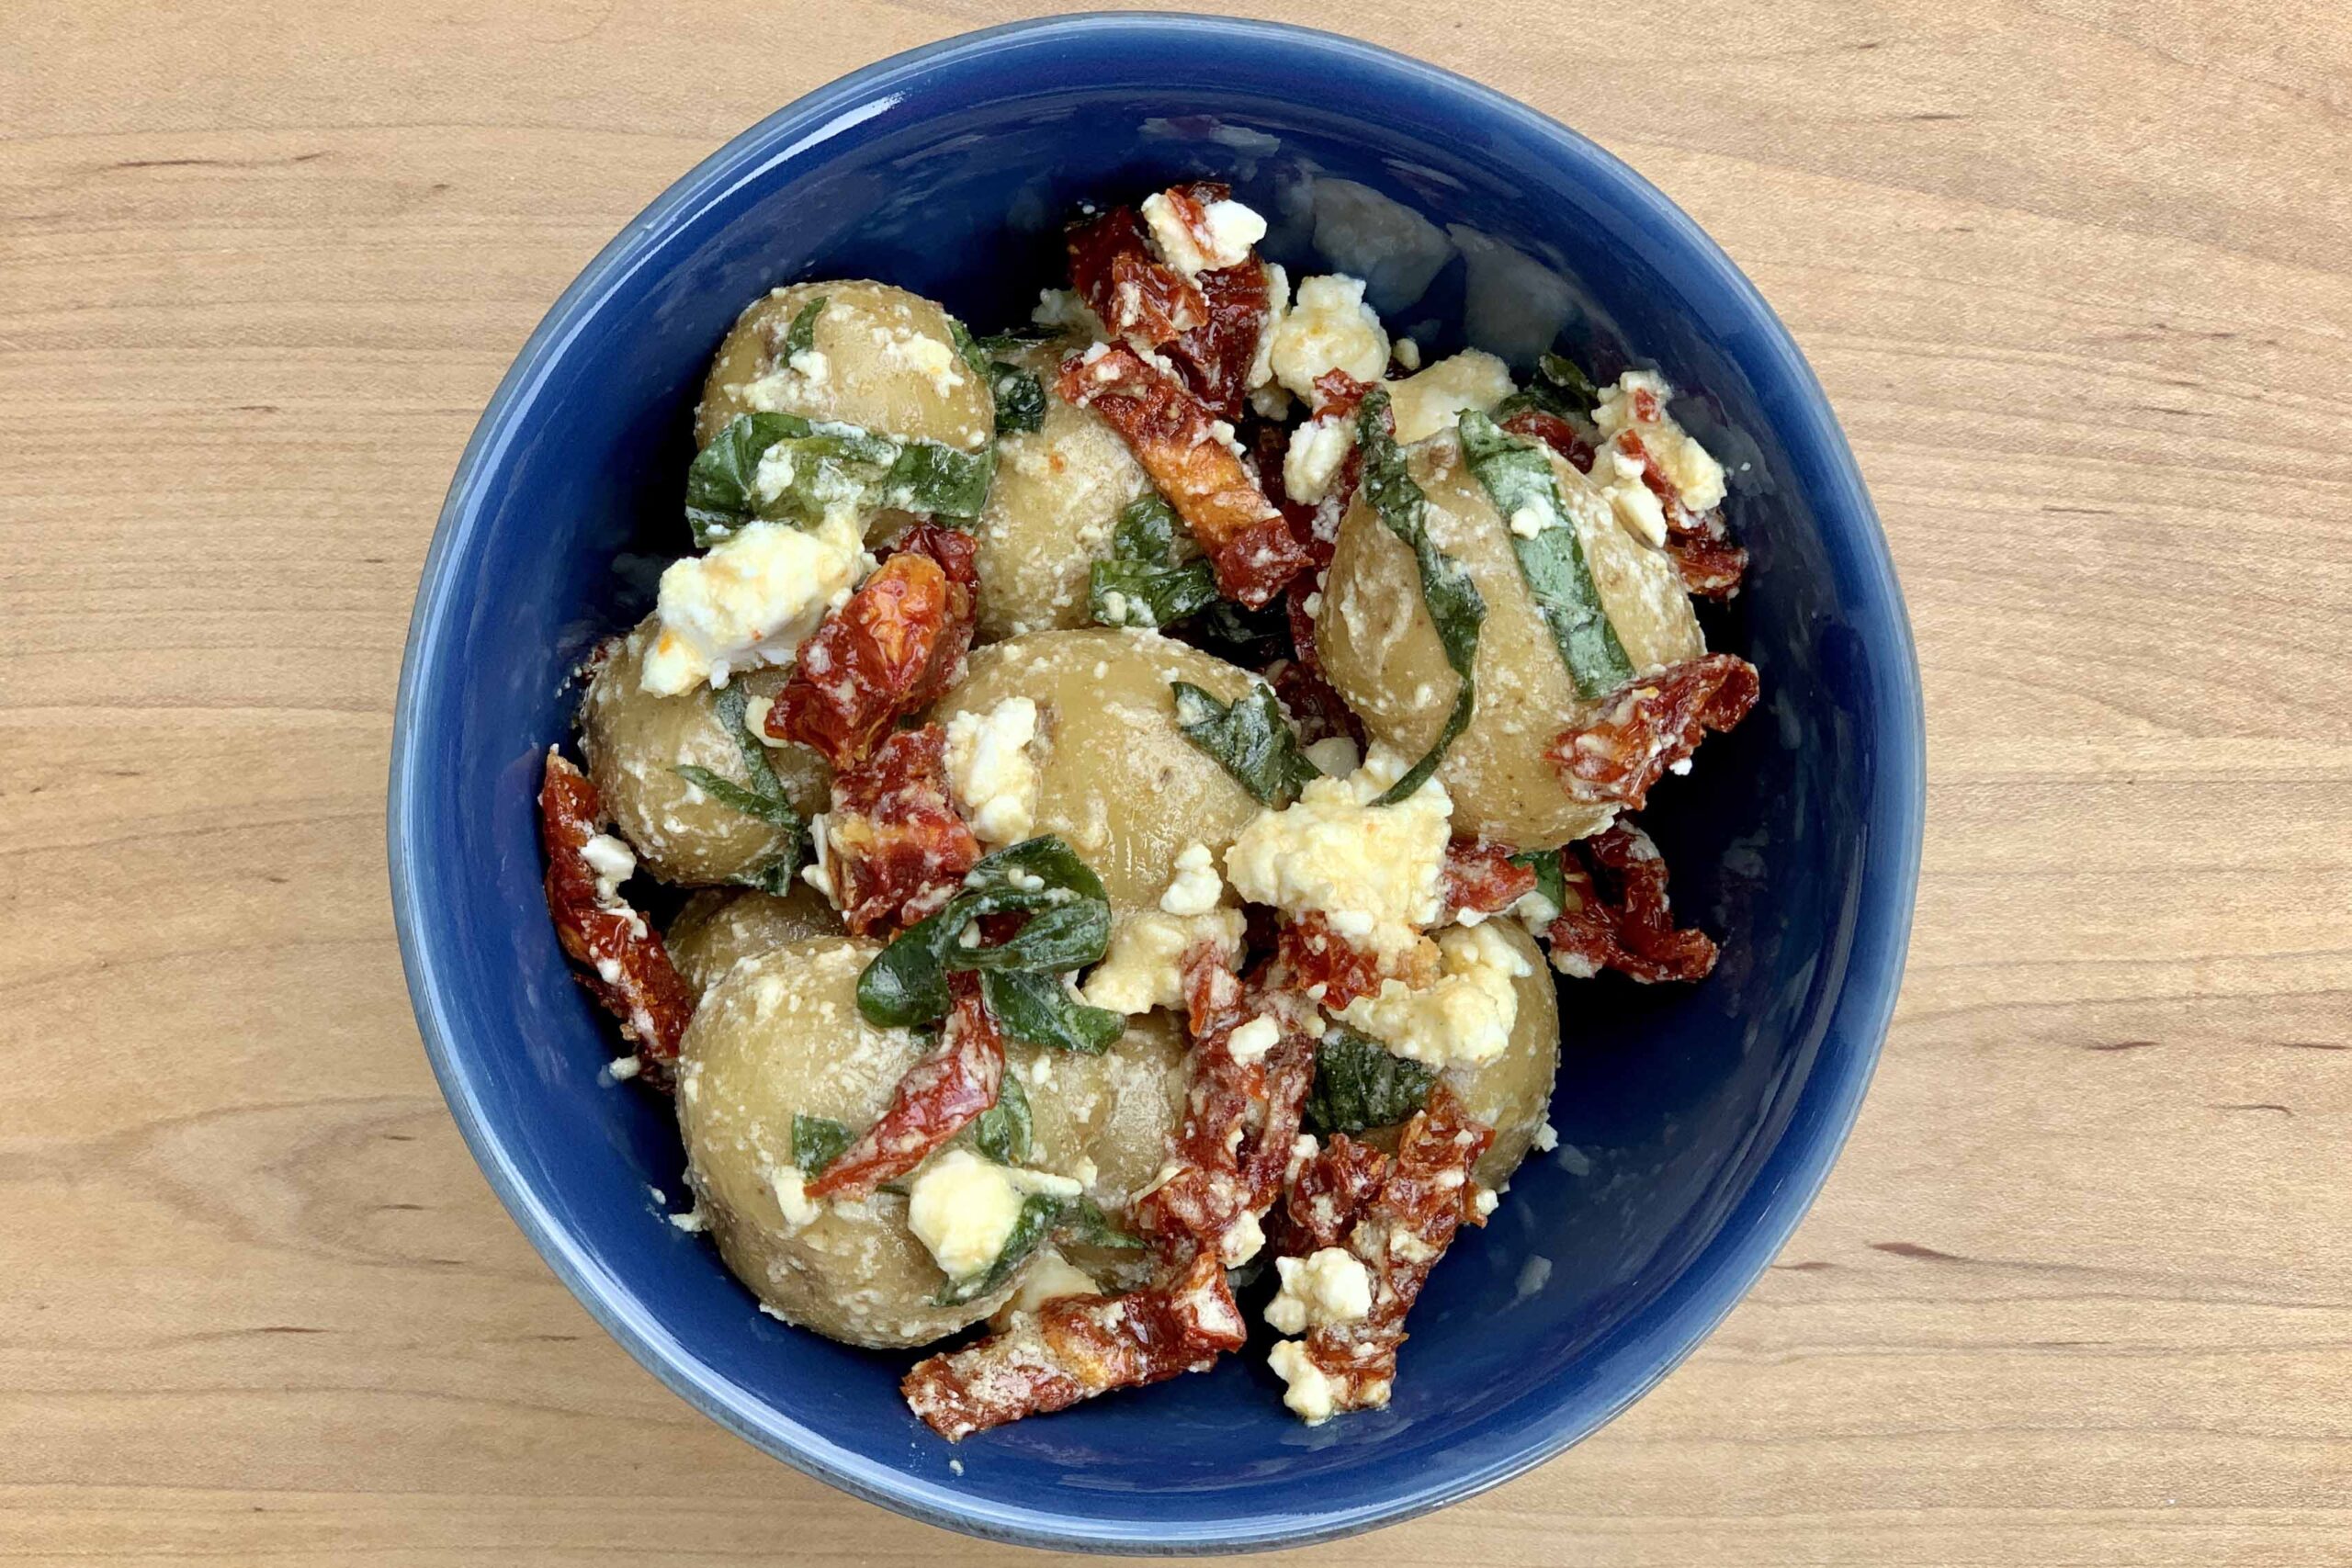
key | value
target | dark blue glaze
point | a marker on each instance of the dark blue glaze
(1696, 1124)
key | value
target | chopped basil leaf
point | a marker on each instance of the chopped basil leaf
(1002, 344)
(968, 349)
(1359, 1084)
(1251, 739)
(763, 798)
(1020, 399)
(1558, 386)
(801, 336)
(1517, 477)
(1069, 928)
(823, 467)
(1550, 880)
(1032, 1007)
(1039, 1213)
(1086, 1225)
(816, 1142)
(1455, 607)
(1002, 1131)
(1141, 586)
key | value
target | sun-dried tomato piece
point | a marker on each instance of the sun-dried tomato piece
(1405, 1226)
(1634, 931)
(1316, 955)
(1242, 1114)
(1326, 1194)
(892, 647)
(1338, 394)
(937, 1098)
(1555, 433)
(1700, 545)
(1111, 268)
(1075, 1348)
(1248, 542)
(1215, 357)
(894, 848)
(1480, 877)
(1650, 724)
(625, 964)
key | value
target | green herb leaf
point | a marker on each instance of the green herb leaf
(827, 467)
(1550, 880)
(1002, 1131)
(816, 1142)
(1069, 928)
(968, 349)
(1034, 1007)
(1359, 1084)
(775, 813)
(1039, 1213)
(1558, 386)
(763, 798)
(1084, 1224)
(1251, 739)
(1020, 399)
(801, 336)
(1141, 586)
(1517, 477)
(1454, 604)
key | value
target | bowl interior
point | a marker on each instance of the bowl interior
(1693, 1122)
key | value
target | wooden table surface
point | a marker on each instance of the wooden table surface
(2076, 276)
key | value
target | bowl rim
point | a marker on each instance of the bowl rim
(1866, 1000)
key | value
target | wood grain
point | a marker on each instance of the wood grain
(2074, 275)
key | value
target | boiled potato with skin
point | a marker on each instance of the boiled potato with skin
(1116, 779)
(781, 1035)
(721, 925)
(1381, 649)
(1058, 492)
(1512, 1093)
(884, 360)
(635, 743)
(1107, 1121)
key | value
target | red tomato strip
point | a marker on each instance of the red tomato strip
(1650, 724)
(1405, 1226)
(1075, 1348)
(1326, 1193)
(1480, 875)
(1207, 326)
(1316, 955)
(1711, 564)
(1136, 297)
(625, 964)
(1634, 933)
(938, 1097)
(1246, 539)
(1555, 433)
(895, 645)
(894, 847)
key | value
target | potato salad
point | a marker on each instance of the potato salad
(1091, 834)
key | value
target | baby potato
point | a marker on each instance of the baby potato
(1115, 778)
(1381, 649)
(1510, 1092)
(882, 359)
(635, 743)
(1107, 1121)
(781, 1035)
(1057, 495)
(720, 925)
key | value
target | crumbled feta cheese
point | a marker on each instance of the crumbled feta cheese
(1242, 1241)
(936, 361)
(791, 1198)
(751, 601)
(1254, 1039)
(1637, 403)
(1317, 449)
(1372, 870)
(1060, 310)
(818, 872)
(1270, 400)
(811, 365)
(963, 1208)
(614, 864)
(1141, 971)
(1308, 1394)
(1433, 400)
(1406, 353)
(1049, 1276)
(1196, 887)
(1619, 477)
(1547, 1138)
(1464, 1016)
(1330, 328)
(1228, 232)
(624, 1068)
(1328, 1286)
(991, 771)
(1334, 754)
(1484, 1201)
(1536, 912)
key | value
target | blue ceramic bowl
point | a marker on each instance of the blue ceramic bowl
(1695, 1124)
